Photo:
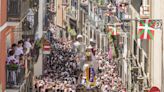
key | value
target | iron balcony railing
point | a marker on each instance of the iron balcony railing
(17, 9)
(23, 74)
(16, 74)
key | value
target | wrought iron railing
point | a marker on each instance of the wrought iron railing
(23, 74)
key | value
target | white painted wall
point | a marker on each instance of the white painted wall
(41, 16)
(156, 48)
(162, 17)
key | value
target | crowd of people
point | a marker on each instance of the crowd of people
(61, 70)
(108, 77)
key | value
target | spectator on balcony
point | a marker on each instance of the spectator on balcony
(27, 45)
(11, 74)
(19, 50)
(11, 58)
(13, 47)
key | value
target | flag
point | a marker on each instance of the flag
(146, 29)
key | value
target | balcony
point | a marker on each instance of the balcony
(23, 72)
(17, 9)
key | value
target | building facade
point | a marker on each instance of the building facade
(6, 39)
(13, 15)
(145, 67)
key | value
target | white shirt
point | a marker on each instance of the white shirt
(27, 44)
(11, 58)
(18, 51)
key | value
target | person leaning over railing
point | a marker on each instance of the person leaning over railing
(12, 66)
(27, 45)
(19, 50)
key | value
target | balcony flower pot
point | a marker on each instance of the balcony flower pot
(12, 67)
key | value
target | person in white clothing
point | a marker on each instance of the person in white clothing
(19, 50)
(11, 75)
(27, 45)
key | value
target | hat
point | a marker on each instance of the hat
(79, 36)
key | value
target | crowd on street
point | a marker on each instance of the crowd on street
(63, 69)
(60, 69)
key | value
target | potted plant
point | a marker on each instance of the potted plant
(12, 65)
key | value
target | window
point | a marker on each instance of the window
(94, 35)
(140, 55)
(146, 65)
(90, 33)
(13, 7)
(74, 3)
(136, 4)
(135, 47)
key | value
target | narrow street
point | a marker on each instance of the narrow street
(61, 71)
(81, 46)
